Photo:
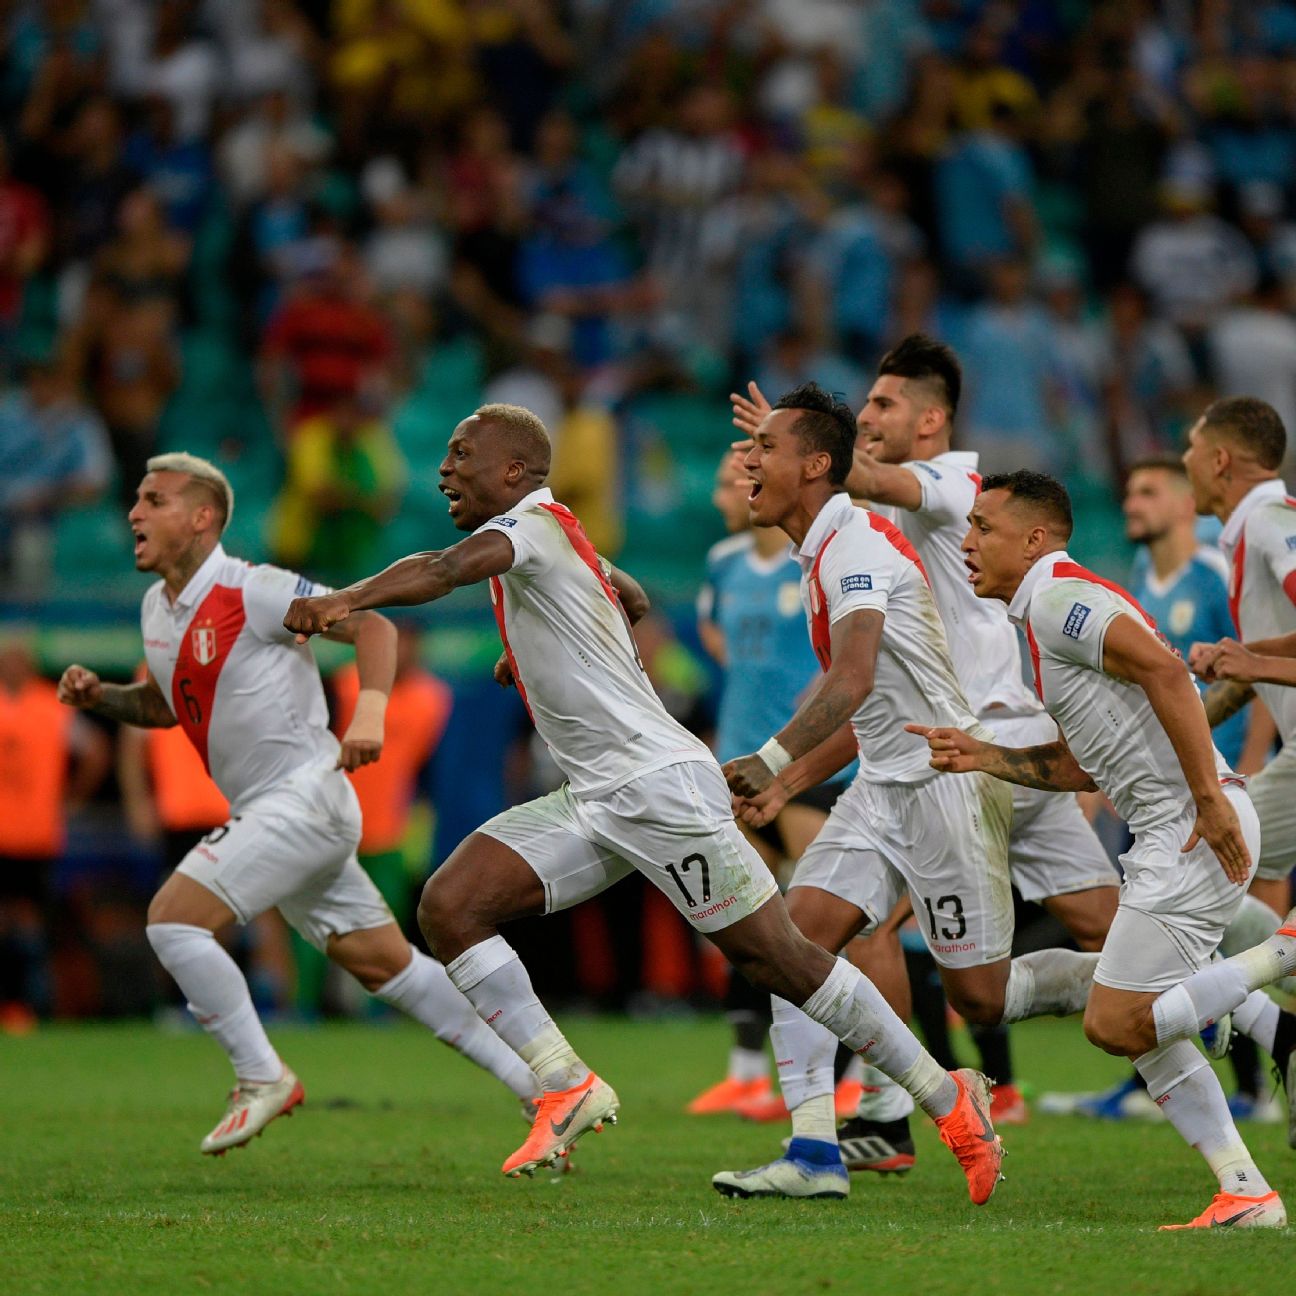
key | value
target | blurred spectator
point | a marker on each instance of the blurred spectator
(181, 67)
(405, 251)
(345, 477)
(984, 197)
(276, 55)
(1008, 362)
(1253, 351)
(178, 169)
(569, 263)
(1081, 359)
(274, 126)
(677, 184)
(24, 244)
(984, 85)
(55, 455)
(830, 130)
(325, 343)
(792, 358)
(1151, 382)
(51, 762)
(1190, 262)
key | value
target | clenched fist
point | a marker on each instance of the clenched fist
(312, 616)
(80, 688)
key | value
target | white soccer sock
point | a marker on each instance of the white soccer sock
(424, 991)
(882, 1099)
(1212, 991)
(1189, 1093)
(849, 1005)
(804, 1051)
(491, 976)
(746, 1064)
(1257, 1019)
(854, 1072)
(1053, 981)
(218, 997)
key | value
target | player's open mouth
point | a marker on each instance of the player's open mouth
(455, 498)
(756, 488)
(140, 541)
(974, 572)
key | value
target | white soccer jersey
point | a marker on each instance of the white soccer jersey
(1108, 723)
(854, 560)
(1260, 544)
(248, 696)
(573, 656)
(982, 641)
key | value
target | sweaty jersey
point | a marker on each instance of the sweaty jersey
(982, 642)
(755, 603)
(854, 560)
(1259, 540)
(573, 658)
(246, 694)
(1108, 723)
(1191, 606)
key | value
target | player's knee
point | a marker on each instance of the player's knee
(442, 916)
(1112, 1034)
(977, 1006)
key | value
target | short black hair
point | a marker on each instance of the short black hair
(1046, 494)
(924, 359)
(826, 424)
(1164, 462)
(1253, 423)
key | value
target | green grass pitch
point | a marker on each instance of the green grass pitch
(388, 1182)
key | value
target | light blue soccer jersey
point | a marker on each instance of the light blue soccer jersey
(755, 602)
(1192, 607)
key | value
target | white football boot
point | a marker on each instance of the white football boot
(250, 1109)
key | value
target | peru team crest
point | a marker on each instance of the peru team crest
(204, 645)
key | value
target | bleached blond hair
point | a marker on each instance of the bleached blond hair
(527, 431)
(205, 474)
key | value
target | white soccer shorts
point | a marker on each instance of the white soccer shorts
(1052, 849)
(294, 849)
(1273, 793)
(675, 825)
(944, 840)
(1173, 906)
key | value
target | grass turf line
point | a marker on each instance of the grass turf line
(388, 1181)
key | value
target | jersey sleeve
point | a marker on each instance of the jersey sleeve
(947, 491)
(266, 597)
(856, 574)
(530, 532)
(1069, 620)
(1271, 532)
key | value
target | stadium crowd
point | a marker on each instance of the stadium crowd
(304, 238)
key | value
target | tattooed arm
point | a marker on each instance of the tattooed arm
(831, 703)
(1226, 699)
(139, 704)
(1049, 766)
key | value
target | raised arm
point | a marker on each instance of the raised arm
(882, 483)
(139, 704)
(1131, 653)
(829, 705)
(420, 578)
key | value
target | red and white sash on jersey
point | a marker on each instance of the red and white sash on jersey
(205, 647)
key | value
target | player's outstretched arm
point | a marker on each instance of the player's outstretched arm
(1131, 653)
(882, 483)
(139, 704)
(420, 578)
(830, 704)
(1051, 767)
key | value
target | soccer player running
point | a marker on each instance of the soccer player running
(904, 463)
(249, 698)
(1132, 725)
(1182, 584)
(1235, 451)
(898, 829)
(751, 623)
(642, 793)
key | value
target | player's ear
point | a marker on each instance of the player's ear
(816, 465)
